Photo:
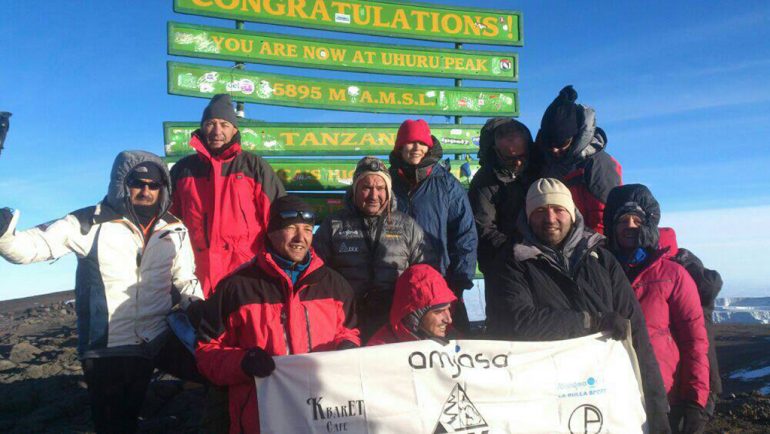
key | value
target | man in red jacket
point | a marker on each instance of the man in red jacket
(285, 301)
(222, 195)
(575, 154)
(420, 310)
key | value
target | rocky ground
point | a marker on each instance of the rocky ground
(42, 387)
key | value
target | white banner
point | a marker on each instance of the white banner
(585, 385)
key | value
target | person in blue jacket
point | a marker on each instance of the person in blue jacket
(427, 191)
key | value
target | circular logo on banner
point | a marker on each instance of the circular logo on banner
(586, 419)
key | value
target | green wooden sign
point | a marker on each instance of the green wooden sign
(329, 174)
(313, 175)
(237, 45)
(287, 139)
(374, 17)
(295, 91)
(336, 175)
(323, 203)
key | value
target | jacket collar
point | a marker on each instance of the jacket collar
(577, 244)
(267, 263)
(197, 143)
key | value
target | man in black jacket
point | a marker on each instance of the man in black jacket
(559, 283)
(498, 189)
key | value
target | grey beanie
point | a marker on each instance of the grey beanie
(220, 107)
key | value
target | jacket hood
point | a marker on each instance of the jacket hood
(588, 141)
(419, 287)
(118, 197)
(667, 241)
(630, 198)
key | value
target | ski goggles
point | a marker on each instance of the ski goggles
(371, 166)
(306, 216)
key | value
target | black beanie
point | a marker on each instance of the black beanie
(147, 170)
(560, 120)
(220, 107)
(284, 204)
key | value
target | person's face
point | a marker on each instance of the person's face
(559, 150)
(627, 232)
(293, 241)
(371, 195)
(551, 224)
(436, 321)
(512, 151)
(143, 191)
(413, 152)
(218, 132)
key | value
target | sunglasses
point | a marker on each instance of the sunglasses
(308, 216)
(139, 184)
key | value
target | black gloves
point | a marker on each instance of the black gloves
(5, 219)
(612, 323)
(687, 418)
(257, 363)
(694, 421)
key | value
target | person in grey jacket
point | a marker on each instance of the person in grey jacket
(371, 243)
(134, 263)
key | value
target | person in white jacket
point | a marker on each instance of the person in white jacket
(135, 263)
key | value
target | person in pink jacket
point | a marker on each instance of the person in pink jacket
(669, 300)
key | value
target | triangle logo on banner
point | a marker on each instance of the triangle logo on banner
(459, 415)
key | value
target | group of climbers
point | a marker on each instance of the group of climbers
(566, 251)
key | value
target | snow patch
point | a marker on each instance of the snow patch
(742, 310)
(747, 375)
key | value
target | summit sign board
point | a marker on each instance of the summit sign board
(374, 17)
(254, 47)
(295, 91)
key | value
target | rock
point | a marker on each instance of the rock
(23, 352)
(35, 371)
(6, 365)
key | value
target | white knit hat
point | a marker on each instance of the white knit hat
(549, 191)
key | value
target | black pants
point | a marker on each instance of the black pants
(117, 385)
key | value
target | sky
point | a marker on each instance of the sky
(680, 88)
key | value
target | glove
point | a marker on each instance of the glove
(658, 425)
(693, 419)
(612, 323)
(257, 363)
(6, 215)
(346, 345)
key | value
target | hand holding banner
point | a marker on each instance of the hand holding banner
(584, 385)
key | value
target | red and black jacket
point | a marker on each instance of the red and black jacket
(587, 170)
(258, 306)
(224, 200)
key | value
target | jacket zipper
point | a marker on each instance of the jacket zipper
(307, 326)
(139, 257)
(285, 331)
(206, 229)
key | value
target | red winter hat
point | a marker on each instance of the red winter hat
(414, 131)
